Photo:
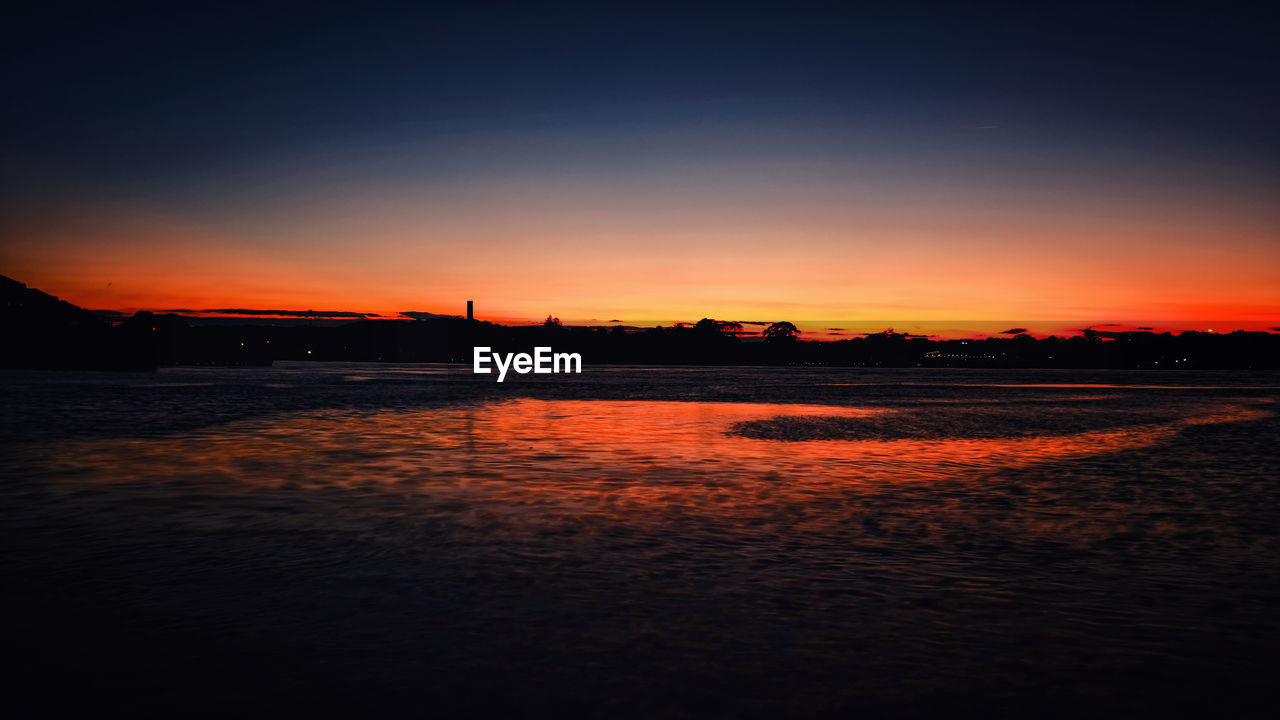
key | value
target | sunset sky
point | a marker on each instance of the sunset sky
(648, 163)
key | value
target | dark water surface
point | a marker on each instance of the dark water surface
(409, 541)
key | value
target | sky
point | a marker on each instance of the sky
(827, 163)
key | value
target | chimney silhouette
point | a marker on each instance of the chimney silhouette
(470, 310)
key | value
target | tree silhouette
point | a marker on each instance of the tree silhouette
(552, 322)
(781, 332)
(718, 327)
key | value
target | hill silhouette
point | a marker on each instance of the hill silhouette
(41, 331)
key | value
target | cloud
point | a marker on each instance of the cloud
(277, 313)
(287, 313)
(1013, 331)
(416, 315)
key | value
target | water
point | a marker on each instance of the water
(676, 542)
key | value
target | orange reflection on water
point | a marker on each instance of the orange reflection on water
(582, 457)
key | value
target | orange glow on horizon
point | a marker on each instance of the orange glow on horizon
(833, 268)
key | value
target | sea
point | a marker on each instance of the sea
(370, 540)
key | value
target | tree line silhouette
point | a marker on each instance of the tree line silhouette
(41, 331)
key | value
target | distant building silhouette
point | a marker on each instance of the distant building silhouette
(471, 310)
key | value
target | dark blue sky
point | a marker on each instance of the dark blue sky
(93, 91)
(645, 141)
